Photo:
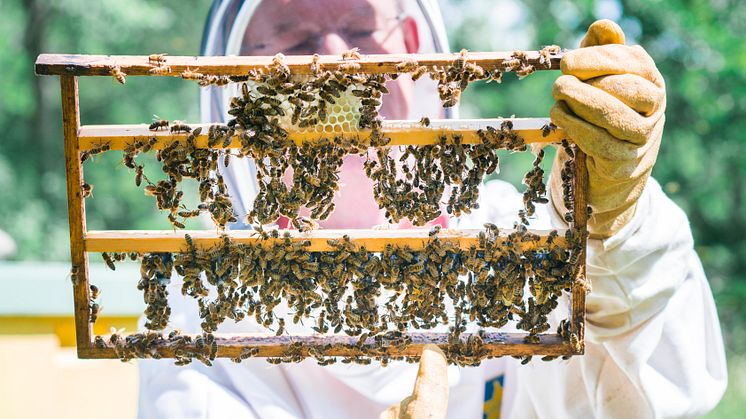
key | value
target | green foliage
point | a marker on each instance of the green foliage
(32, 171)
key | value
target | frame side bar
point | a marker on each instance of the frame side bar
(76, 212)
(139, 65)
(581, 285)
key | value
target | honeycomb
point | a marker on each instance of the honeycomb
(342, 116)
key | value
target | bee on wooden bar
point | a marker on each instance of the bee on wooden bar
(278, 64)
(547, 129)
(94, 291)
(495, 75)
(407, 66)
(180, 127)
(118, 74)
(418, 73)
(160, 70)
(461, 60)
(74, 274)
(425, 121)
(315, 67)
(545, 55)
(93, 311)
(157, 59)
(351, 54)
(189, 74)
(158, 123)
(86, 190)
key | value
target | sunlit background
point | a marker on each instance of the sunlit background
(698, 46)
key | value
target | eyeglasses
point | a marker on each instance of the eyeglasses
(364, 35)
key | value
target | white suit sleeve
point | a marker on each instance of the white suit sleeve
(653, 341)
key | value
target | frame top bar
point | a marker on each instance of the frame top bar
(138, 65)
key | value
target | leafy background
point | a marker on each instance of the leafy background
(697, 44)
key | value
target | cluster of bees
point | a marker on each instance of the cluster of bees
(368, 294)
(413, 185)
(180, 160)
(375, 296)
(184, 348)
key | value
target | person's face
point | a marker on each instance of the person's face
(329, 27)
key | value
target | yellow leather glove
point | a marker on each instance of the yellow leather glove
(611, 101)
(429, 398)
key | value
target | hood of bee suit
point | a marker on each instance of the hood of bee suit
(224, 31)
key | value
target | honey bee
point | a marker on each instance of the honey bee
(425, 121)
(305, 224)
(419, 72)
(511, 64)
(496, 76)
(192, 74)
(525, 71)
(408, 65)
(280, 327)
(315, 67)
(157, 59)
(86, 190)
(174, 222)
(350, 67)
(189, 214)
(547, 129)
(96, 149)
(94, 311)
(351, 54)
(118, 74)
(160, 70)
(74, 274)
(453, 99)
(277, 62)
(99, 342)
(179, 127)
(434, 231)
(460, 62)
(552, 49)
(139, 174)
(149, 145)
(158, 123)
(109, 261)
(95, 292)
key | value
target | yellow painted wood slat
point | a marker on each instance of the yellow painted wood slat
(400, 132)
(373, 240)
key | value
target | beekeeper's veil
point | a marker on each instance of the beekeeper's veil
(224, 31)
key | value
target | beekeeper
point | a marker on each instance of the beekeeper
(653, 341)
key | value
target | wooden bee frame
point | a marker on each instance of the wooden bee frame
(79, 138)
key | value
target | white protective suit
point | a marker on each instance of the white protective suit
(653, 342)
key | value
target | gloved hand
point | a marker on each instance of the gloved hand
(429, 398)
(610, 101)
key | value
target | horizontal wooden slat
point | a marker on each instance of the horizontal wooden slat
(400, 132)
(374, 240)
(229, 346)
(138, 65)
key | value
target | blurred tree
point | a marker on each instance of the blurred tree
(31, 164)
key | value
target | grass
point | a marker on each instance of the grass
(733, 404)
